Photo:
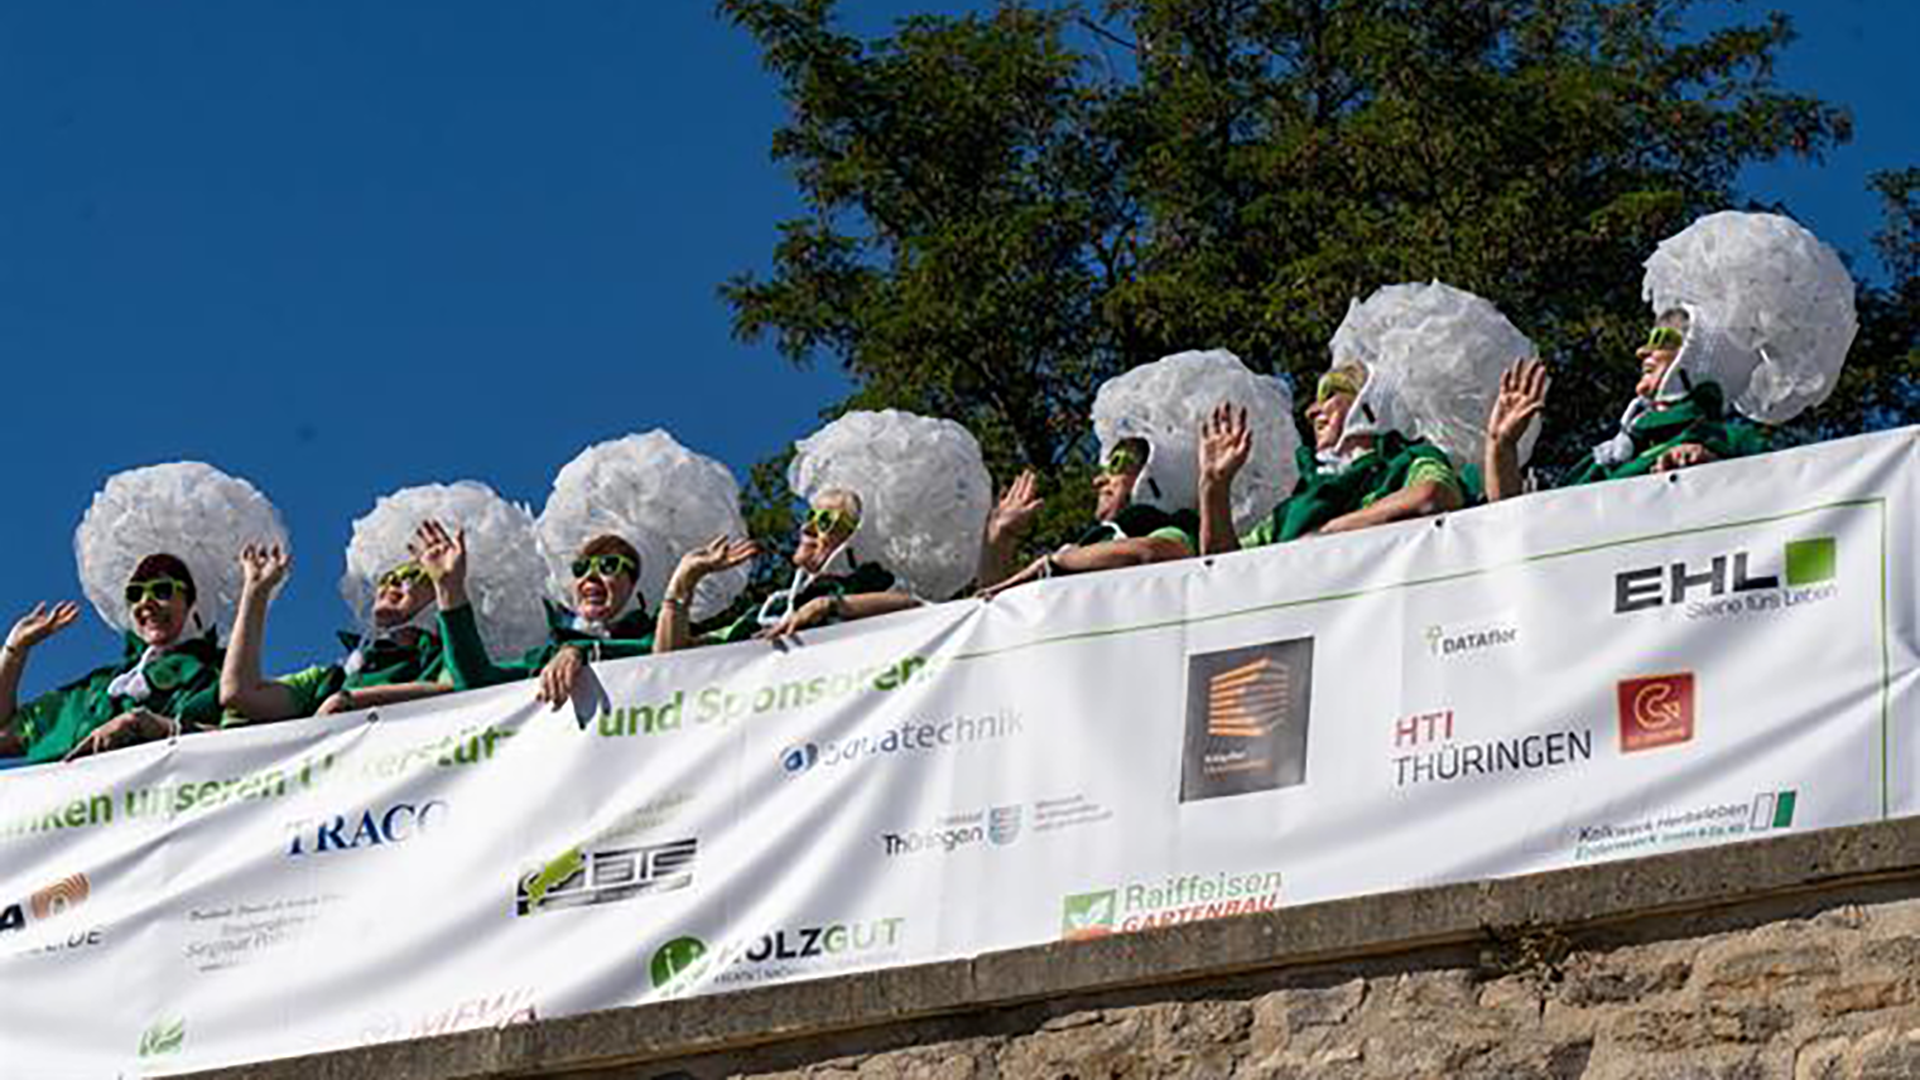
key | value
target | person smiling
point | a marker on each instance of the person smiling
(618, 512)
(167, 678)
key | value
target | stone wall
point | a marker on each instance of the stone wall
(1793, 958)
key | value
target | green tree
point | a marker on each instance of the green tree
(1004, 210)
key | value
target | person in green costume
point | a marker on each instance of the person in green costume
(397, 662)
(1126, 531)
(600, 626)
(1674, 421)
(1355, 475)
(829, 586)
(167, 677)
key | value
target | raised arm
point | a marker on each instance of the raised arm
(1523, 393)
(33, 628)
(443, 555)
(242, 689)
(673, 627)
(1005, 525)
(1225, 444)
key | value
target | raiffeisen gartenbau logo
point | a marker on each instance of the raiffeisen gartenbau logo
(1180, 899)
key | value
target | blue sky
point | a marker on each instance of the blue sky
(343, 248)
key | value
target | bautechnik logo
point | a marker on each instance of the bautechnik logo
(911, 737)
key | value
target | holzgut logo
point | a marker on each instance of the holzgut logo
(674, 959)
(1179, 899)
(1805, 563)
(686, 959)
(578, 876)
(1656, 710)
(165, 1036)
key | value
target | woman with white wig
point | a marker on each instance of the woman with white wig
(393, 652)
(1753, 317)
(158, 557)
(1414, 370)
(620, 514)
(1145, 494)
(895, 506)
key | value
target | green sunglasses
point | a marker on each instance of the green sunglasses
(608, 565)
(1334, 382)
(1665, 337)
(161, 589)
(824, 522)
(1124, 459)
(404, 574)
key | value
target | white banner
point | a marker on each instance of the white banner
(1581, 675)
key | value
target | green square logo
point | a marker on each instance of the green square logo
(1809, 561)
(1087, 915)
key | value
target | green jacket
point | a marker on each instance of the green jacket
(470, 668)
(1700, 417)
(387, 663)
(185, 682)
(1138, 520)
(866, 578)
(1319, 497)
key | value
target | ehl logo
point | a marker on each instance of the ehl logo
(578, 878)
(1807, 562)
(1656, 711)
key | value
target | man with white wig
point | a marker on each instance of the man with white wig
(1145, 495)
(619, 515)
(158, 557)
(1753, 317)
(895, 506)
(1414, 369)
(393, 654)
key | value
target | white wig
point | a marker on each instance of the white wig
(923, 489)
(1770, 310)
(186, 509)
(504, 569)
(1434, 355)
(655, 494)
(1164, 403)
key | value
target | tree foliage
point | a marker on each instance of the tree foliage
(1004, 210)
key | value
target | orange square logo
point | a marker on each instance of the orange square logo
(1656, 711)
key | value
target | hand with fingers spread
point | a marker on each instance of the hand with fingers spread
(1019, 504)
(1523, 393)
(1225, 444)
(263, 568)
(1684, 456)
(716, 555)
(443, 555)
(40, 624)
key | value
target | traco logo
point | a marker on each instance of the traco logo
(1772, 810)
(1656, 710)
(606, 875)
(1807, 562)
(51, 902)
(393, 824)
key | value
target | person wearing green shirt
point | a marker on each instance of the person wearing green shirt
(1352, 477)
(829, 585)
(166, 677)
(398, 661)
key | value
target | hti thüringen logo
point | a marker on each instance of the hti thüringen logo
(1656, 710)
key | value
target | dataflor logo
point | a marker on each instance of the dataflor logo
(1247, 715)
(1448, 642)
(1179, 899)
(1735, 582)
(912, 738)
(580, 877)
(1655, 711)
